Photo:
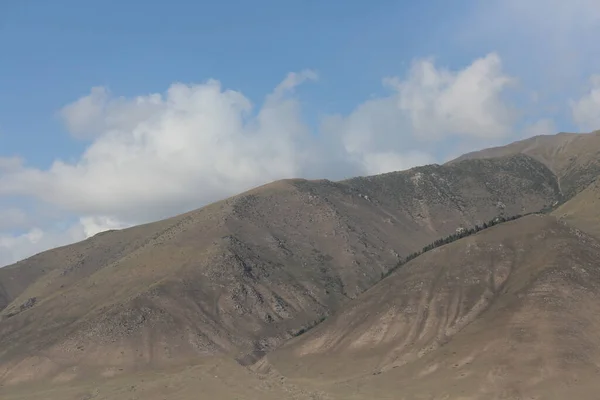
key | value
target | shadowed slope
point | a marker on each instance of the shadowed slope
(574, 158)
(241, 276)
(507, 313)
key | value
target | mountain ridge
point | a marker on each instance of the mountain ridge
(572, 157)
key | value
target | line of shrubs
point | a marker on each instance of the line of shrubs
(459, 234)
(309, 327)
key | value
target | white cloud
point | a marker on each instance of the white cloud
(99, 113)
(93, 225)
(10, 164)
(14, 247)
(292, 80)
(586, 110)
(157, 155)
(199, 144)
(467, 102)
(374, 127)
(541, 127)
(17, 247)
(12, 217)
(86, 116)
(429, 104)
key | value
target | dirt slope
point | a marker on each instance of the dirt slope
(583, 210)
(241, 276)
(211, 379)
(509, 313)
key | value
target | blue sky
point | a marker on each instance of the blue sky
(56, 51)
(109, 107)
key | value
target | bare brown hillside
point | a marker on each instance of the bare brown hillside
(241, 276)
(509, 313)
(572, 157)
(210, 378)
(583, 210)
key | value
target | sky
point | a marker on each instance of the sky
(115, 113)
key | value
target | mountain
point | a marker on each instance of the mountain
(510, 312)
(241, 276)
(266, 278)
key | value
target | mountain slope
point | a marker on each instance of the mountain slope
(583, 210)
(239, 277)
(509, 313)
(572, 157)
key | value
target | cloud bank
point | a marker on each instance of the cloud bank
(586, 110)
